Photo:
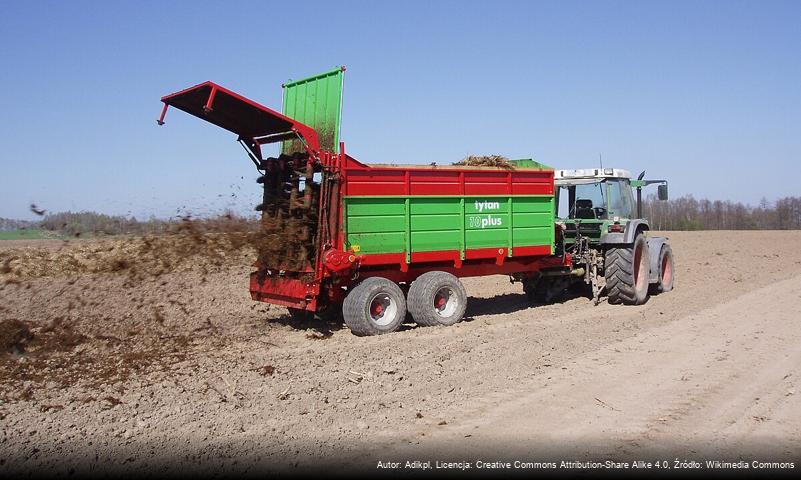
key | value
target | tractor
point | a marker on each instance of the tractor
(602, 230)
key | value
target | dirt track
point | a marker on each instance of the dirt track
(183, 371)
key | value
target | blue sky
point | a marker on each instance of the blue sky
(705, 94)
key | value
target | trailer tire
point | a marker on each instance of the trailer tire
(437, 298)
(666, 271)
(626, 272)
(374, 307)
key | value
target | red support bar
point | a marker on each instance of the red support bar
(160, 121)
(207, 107)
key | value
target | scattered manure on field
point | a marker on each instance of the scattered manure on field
(189, 244)
(117, 311)
(100, 311)
(14, 336)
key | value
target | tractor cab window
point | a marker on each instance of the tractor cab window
(590, 202)
(621, 202)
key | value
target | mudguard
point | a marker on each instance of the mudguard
(626, 237)
(654, 248)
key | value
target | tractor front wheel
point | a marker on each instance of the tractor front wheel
(626, 272)
(374, 307)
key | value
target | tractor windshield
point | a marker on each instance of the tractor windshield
(589, 199)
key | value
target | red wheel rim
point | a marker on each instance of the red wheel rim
(382, 309)
(639, 270)
(667, 270)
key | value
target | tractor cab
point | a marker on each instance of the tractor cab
(599, 201)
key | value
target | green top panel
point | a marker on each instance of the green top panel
(529, 163)
(317, 102)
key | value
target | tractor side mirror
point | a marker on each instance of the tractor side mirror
(662, 192)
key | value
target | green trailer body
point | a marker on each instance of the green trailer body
(461, 212)
(378, 224)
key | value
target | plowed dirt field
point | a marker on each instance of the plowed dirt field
(125, 358)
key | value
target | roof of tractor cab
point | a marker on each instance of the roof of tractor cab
(591, 174)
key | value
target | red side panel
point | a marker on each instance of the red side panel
(435, 182)
(364, 180)
(376, 182)
(487, 182)
(532, 183)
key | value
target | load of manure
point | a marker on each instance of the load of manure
(485, 161)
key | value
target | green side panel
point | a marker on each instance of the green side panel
(533, 205)
(435, 222)
(357, 207)
(375, 225)
(495, 238)
(377, 243)
(529, 220)
(524, 236)
(435, 205)
(533, 221)
(436, 240)
(432, 223)
(317, 102)
(486, 205)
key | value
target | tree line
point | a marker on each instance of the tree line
(683, 213)
(12, 224)
(78, 223)
(687, 213)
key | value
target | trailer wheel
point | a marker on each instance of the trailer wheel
(665, 278)
(626, 273)
(437, 298)
(374, 307)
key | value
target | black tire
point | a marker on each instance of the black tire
(437, 298)
(332, 313)
(544, 290)
(626, 272)
(667, 272)
(374, 307)
(537, 289)
(299, 315)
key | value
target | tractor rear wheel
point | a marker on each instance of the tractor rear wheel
(437, 298)
(626, 272)
(374, 307)
(665, 278)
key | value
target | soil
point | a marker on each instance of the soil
(124, 357)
